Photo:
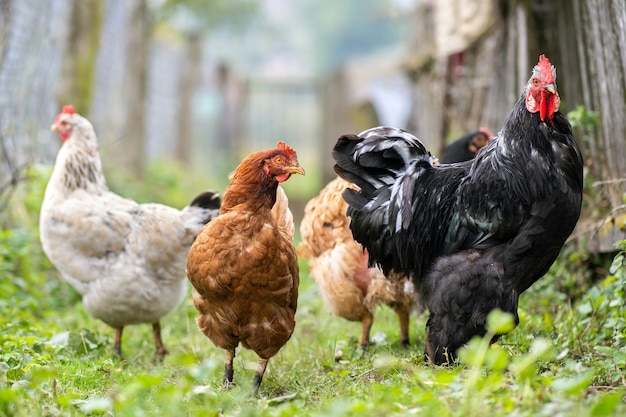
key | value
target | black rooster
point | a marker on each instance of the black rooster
(473, 235)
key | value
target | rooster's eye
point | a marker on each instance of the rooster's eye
(535, 82)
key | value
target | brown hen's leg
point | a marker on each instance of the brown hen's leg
(117, 341)
(160, 348)
(228, 368)
(403, 316)
(366, 327)
(258, 376)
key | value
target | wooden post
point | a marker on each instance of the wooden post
(136, 88)
(79, 63)
(188, 83)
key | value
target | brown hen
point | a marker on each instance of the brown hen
(244, 268)
(339, 265)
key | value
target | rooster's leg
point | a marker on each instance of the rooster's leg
(366, 327)
(117, 341)
(258, 376)
(158, 342)
(403, 316)
(228, 368)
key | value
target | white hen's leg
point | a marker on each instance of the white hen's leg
(117, 341)
(158, 342)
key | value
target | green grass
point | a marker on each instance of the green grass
(566, 358)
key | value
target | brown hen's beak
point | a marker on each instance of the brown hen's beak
(294, 170)
(550, 88)
(53, 127)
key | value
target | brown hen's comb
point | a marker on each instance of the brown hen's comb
(288, 149)
(68, 109)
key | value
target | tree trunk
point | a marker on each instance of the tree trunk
(5, 19)
(605, 53)
(336, 120)
(79, 63)
(136, 88)
(188, 84)
(8, 173)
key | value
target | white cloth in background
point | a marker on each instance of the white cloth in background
(460, 23)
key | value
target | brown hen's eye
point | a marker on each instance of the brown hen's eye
(279, 160)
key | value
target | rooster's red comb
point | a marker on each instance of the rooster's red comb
(68, 109)
(545, 67)
(288, 149)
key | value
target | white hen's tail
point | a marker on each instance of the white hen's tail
(202, 209)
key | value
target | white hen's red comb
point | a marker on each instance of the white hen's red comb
(68, 109)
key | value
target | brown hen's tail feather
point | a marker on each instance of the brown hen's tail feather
(282, 214)
(393, 291)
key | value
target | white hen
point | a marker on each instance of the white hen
(126, 259)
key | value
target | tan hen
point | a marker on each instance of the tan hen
(339, 265)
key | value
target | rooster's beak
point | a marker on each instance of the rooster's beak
(295, 170)
(550, 88)
(53, 127)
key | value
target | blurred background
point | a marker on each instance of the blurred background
(181, 90)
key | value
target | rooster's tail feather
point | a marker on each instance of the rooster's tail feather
(376, 157)
(377, 162)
